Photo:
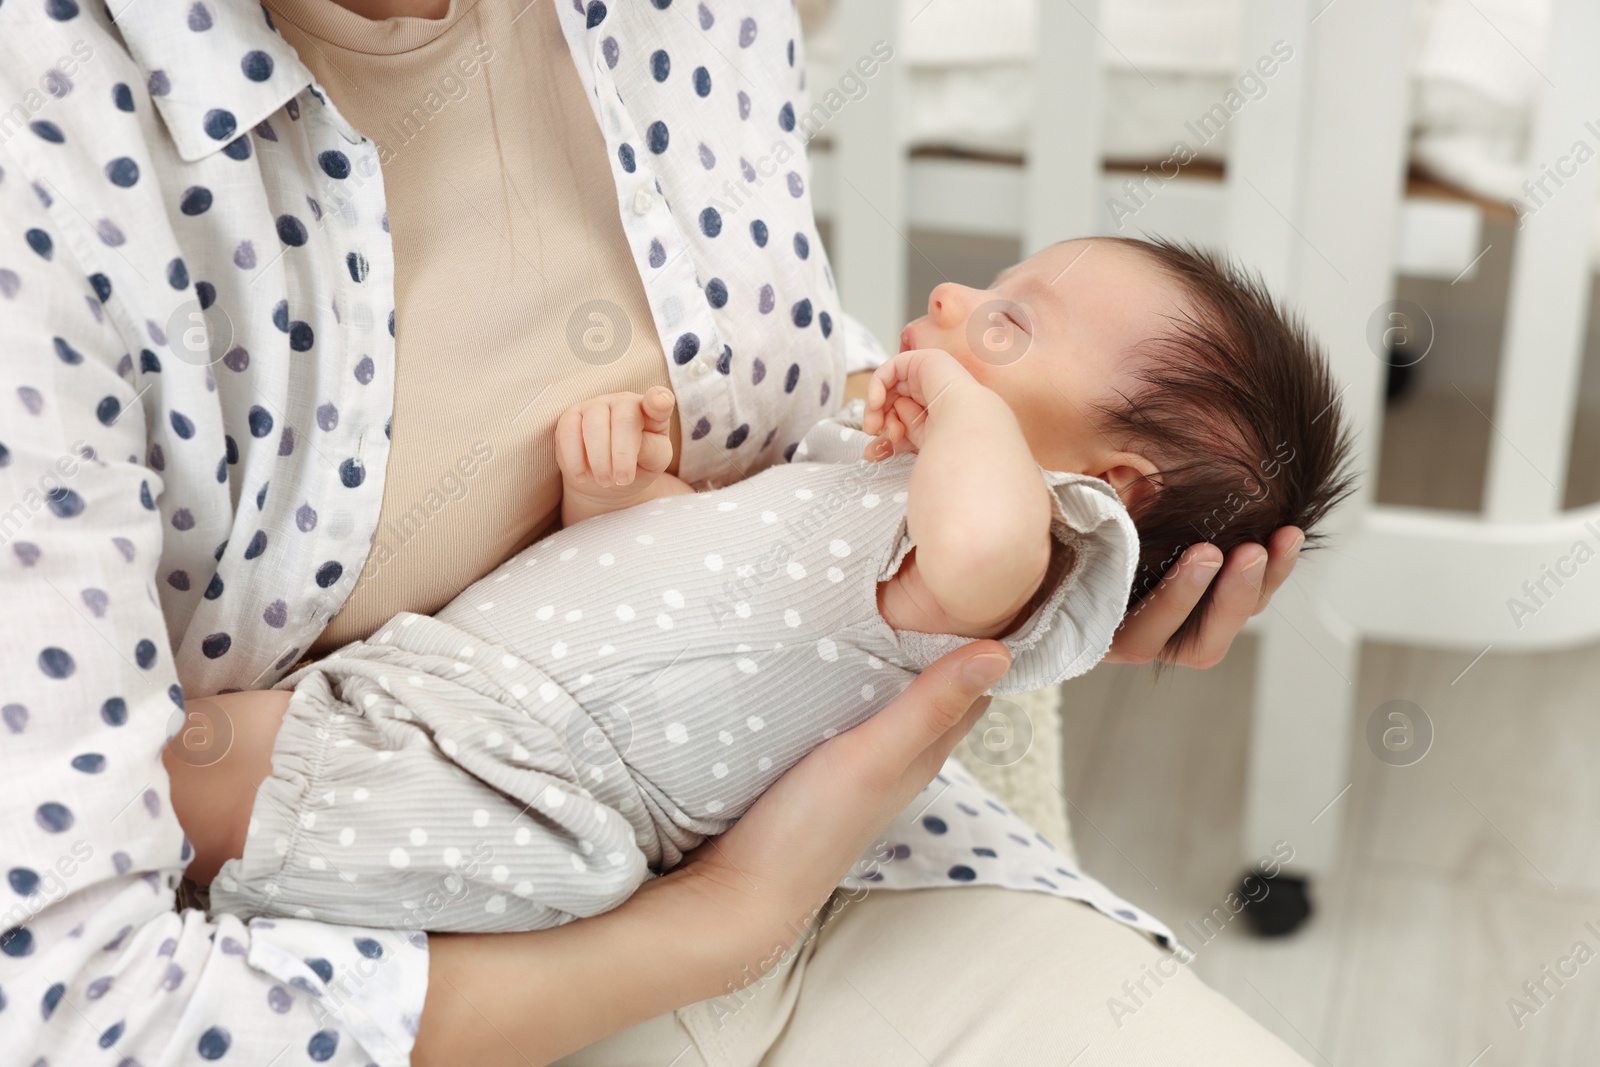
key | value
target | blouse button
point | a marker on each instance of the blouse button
(699, 369)
(643, 201)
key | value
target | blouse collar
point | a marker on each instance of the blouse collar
(214, 68)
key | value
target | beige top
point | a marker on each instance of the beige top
(498, 241)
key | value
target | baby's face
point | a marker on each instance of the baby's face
(1051, 336)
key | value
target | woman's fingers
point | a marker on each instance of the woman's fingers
(1283, 552)
(1245, 583)
(897, 751)
(793, 845)
(1157, 617)
(1238, 589)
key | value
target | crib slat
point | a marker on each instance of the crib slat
(1339, 262)
(1547, 308)
(869, 237)
(1264, 178)
(1063, 161)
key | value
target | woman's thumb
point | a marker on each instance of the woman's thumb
(983, 670)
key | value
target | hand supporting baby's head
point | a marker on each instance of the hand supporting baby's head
(1173, 376)
(1236, 406)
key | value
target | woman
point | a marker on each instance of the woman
(224, 461)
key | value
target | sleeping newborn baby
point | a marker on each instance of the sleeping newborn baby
(622, 689)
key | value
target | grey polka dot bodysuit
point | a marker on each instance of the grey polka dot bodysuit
(610, 696)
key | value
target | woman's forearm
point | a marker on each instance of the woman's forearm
(530, 998)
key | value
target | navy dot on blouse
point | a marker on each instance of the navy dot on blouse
(257, 66)
(17, 942)
(214, 1043)
(220, 125)
(123, 171)
(322, 1046)
(53, 817)
(196, 200)
(291, 231)
(56, 663)
(685, 348)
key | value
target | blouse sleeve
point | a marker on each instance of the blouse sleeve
(1092, 561)
(96, 966)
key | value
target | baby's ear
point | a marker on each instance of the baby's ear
(1135, 479)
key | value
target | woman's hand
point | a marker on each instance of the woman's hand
(785, 856)
(1245, 583)
(712, 924)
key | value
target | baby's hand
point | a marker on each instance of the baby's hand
(902, 394)
(613, 446)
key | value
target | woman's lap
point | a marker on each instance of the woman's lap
(974, 975)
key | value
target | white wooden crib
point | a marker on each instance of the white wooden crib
(1314, 196)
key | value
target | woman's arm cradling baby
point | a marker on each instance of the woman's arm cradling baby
(978, 509)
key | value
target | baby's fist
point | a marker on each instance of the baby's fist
(619, 439)
(902, 394)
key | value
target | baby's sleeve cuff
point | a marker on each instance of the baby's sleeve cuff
(1090, 575)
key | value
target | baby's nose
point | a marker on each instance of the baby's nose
(947, 303)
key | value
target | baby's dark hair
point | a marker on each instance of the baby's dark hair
(1237, 407)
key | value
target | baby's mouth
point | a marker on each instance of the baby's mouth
(907, 342)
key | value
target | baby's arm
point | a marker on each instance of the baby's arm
(613, 451)
(978, 509)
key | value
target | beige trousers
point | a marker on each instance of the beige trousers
(979, 976)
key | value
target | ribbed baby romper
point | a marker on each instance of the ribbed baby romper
(610, 696)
